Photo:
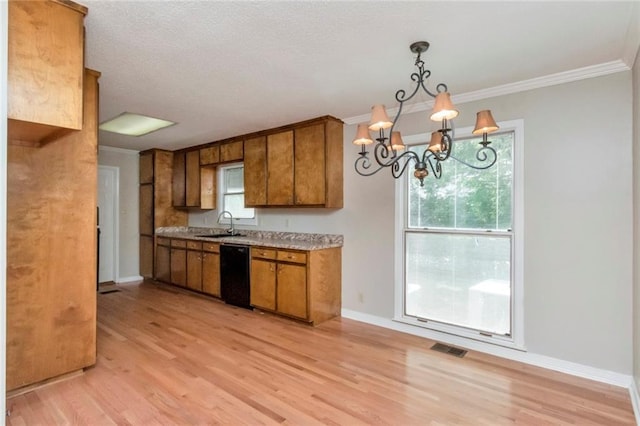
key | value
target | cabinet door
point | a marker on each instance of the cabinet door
(192, 179)
(211, 273)
(231, 151)
(280, 169)
(255, 172)
(292, 290)
(179, 194)
(146, 256)
(309, 170)
(146, 168)
(146, 210)
(207, 187)
(194, 270)
(45, 68)
(263, 284)
(179, 266)
(163, 264)
(210, 155)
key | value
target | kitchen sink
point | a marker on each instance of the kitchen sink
(220, 235)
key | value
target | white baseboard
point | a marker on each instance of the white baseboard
(580, 370)
(129, 279)
(635, 399)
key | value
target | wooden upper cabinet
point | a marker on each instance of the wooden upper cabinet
(310, 165)
(210, 155)
(208, 187)
(255, 171)
(179, 190)
(192, 178)
(231, 151)
(45, 70)
(301, 167)
(280, 169)
(146, 168)
(193, 185)
(318, 171)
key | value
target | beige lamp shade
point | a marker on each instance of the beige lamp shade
(485, 123)
(443, 107)
(435, 145)
(379, 118)
(396, 141)
(362, 136)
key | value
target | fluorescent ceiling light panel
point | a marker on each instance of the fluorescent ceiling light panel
(134, 124)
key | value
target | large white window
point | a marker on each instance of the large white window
(231, 195)
(460, 239)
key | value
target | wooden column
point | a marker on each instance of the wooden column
(51, 252)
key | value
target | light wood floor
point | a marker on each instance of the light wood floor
(167, 357)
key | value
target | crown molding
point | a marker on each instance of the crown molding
(511, 88)
(120, 150)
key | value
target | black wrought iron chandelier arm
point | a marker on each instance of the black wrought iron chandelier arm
(399, 165)
(435, 166)
(484, 154)
(363, 166)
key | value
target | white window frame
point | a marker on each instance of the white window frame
(516, 339)
(220, 199)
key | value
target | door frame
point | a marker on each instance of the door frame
(115, 173)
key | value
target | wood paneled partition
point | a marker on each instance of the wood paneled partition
(51, 252)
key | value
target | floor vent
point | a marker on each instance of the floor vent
(450, 350)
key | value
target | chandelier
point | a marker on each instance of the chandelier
(386, 149)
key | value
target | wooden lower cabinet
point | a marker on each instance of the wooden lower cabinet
(194, 265)
(163, 260)
(263, 284)
(191, 264)
(178, 263)
(292, 290)
(301, 284)
(211, 269)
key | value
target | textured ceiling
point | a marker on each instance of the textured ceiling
(222, 69)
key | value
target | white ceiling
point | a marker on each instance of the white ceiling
(222, 69)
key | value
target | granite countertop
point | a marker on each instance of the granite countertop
(285, 240)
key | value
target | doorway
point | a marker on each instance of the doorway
(108, 184)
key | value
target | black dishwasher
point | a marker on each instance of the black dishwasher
(234, 275)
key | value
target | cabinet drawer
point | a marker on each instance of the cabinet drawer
(211, 247)
(292, 256)
(194, 245)
(263, 253)
(179, 243)
(164, 241)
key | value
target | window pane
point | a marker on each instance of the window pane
(463, 280)
(234, 179)
(234, 203)
(464, 197)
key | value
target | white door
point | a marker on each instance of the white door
(108, 181)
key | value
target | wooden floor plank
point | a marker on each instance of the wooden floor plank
(166, 356)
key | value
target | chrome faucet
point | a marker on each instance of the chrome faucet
(230, 230)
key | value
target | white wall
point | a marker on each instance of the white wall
(127, 161)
